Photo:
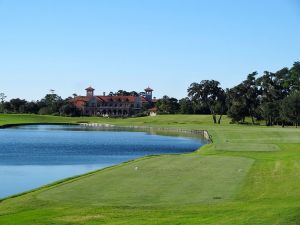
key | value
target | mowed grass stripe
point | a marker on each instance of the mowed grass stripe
(249, 147)
(163, 180)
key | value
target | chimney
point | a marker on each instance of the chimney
(104, 93)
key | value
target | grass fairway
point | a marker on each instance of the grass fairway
(249, 147)
(164, 180)
(249, 175)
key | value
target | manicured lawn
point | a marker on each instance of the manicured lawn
(248, 147)
(165, 180)
(249, 175)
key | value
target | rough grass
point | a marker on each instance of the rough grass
(248, 175)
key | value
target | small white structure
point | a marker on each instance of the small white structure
(153, 111)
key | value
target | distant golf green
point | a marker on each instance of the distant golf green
(248, 175)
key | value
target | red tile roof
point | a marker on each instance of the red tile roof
(154, 109)
(119, 98)
(81, 100)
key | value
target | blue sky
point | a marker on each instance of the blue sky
(67, 45)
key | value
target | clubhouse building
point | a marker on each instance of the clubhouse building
(118, 106)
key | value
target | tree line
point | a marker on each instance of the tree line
(273, 97)
(51, 104)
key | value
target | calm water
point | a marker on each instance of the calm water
(31, 156)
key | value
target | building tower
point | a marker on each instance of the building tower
(90, 91)
(148, 95)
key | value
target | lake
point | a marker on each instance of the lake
(35, 155)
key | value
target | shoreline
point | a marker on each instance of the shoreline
(25, 124)
(76, 177)
(202, 133)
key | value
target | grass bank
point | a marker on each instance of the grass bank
(248, 175)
